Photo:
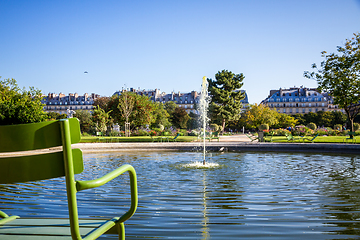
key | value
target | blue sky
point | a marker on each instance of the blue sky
(169, 45)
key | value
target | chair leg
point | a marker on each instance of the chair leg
(121, 230)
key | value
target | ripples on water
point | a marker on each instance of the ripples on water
(245, 196)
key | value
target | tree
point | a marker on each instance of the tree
(284, 121)
(170, 107)
(100, 118)
(161, 116)
(85, 120)
(226, 96)
(142, 112)
(180, 118)
(340, 76)
(256, 115)
(102, 102)
(55, 115)
(324, 119)
(19, 106)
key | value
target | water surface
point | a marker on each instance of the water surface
(247, 196)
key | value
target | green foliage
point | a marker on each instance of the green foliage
(340, 76)
(257, 115)
(312, 126)
(281, 132)
(170, 107)
(85, 120)
(193, 122)
(160, 116)
(19, 106)
(100, 118)
(133, 108)
(301, 131)
(284, 121)
(326, 119)
(263, 127)
(55, 116)
(180, 118)
(102, 102)
(226, 96)
(356, 126)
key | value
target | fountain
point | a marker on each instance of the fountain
(204, 105)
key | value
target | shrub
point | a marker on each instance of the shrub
(114, 133)
(301, 131)
(85, 134)
(322, 132)
(312, 126)
(183, 132)
(152, 133)
(356, 126)
(263, 127)
(281, 132)
(140, 132)
(166, 133)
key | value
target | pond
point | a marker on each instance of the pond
(247, 196)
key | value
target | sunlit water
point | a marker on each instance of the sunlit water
(246, 196)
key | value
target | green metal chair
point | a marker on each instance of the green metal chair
(65, 162)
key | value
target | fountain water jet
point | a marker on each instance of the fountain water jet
(204, 105)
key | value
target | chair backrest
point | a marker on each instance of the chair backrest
(33, 166)
(176, 136)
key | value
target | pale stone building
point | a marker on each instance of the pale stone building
(62, 104)
(299, 100)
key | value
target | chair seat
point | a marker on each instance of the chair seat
(48, 228)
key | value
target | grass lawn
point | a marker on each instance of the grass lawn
(91, 139)
(319, 139)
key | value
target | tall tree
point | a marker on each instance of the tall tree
(141, 107)
(19, 105)
(102, 102)
(100, 118)
(256, 115)
(161, 116)
(226, 96)
(85, 119)
(339, 75)
(180, 118)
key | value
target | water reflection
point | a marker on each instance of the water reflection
(249, 196)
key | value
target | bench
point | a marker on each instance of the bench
(66, 162)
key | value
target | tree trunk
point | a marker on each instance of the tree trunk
(223, 125)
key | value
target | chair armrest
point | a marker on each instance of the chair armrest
(82, 185)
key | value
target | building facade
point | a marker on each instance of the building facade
(299, 100)
(62, 104)
(186, 101)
